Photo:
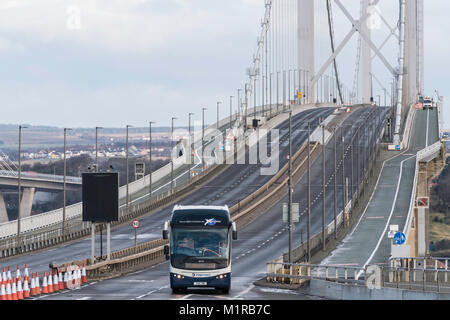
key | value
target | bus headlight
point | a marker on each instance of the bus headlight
(222, 276)
(178, 276)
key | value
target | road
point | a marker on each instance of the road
(261, 241)
(389, 203)
(236, 182)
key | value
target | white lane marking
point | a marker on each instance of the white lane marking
(185, 297)
(85, 298)
(244, 292)
(388, 219)
(153, 291)
(64, 291)
(374, 190)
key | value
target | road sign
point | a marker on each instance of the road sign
(399, 238)
(295, 212)
(397, 147)
(423, 202)
(300, 94)
(139, 170)
(135, 224)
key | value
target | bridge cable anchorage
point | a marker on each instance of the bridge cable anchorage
(331, 30)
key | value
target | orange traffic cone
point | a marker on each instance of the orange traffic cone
(3, 292)
(44, 283)
(19, 289)
(26, 290)
(33, 286)
(83, 274)
(25, 275)
(18, 272)
(66, 279)
(69, 280)
(8, 290)
(50, 282)
(14, 289)
(4, 277)
(37, 285)
(55, 282)
(9, 273)
(60, 281)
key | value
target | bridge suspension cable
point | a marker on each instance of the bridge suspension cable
(331, 29)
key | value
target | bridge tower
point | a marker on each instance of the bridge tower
(305, 23)
(366, 59)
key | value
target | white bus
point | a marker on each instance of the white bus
(200, 247)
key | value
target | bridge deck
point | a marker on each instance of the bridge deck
(389, 203)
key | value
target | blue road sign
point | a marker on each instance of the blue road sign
(399, 238)
(397, 147)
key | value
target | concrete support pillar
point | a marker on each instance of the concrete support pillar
(26, 202)
(305, 32)
(421, 232)
(366, 52)
(411, 80)
(3, 212)
(420, 46)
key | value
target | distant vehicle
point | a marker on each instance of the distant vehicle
(427, 103)
(200, 247)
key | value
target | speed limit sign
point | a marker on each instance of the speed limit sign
(136, 224)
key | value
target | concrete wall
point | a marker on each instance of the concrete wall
(336, 291)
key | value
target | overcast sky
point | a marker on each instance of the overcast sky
(86, 63)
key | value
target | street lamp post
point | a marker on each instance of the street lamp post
(270, 81)
(64, 184)
(171, 160)
(218, 103)
(231, 109)
(323, 187)
(290, 189)
(19, 185)
(335, 182)
(96, 148)
(309, 194)
(203, 138)
(190, 146)
(128, 198)
(150, 161)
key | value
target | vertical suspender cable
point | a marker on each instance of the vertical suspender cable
(330, 27)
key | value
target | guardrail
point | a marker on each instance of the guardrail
(129, 258)
(40, 176)
(317, 241)
(408, 127)
(429, 151)
(77, 229)
(47, 219)
(434, 280)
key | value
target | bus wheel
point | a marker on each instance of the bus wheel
(176, 290)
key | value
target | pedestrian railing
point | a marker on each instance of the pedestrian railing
(418, 279)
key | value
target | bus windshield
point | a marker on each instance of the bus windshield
(199, 248)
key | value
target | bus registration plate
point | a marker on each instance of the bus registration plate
(200, 283)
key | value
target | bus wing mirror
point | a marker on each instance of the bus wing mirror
(165, 232)
(233, 225)
(166, 252)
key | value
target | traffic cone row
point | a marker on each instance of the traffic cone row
(13, 288)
